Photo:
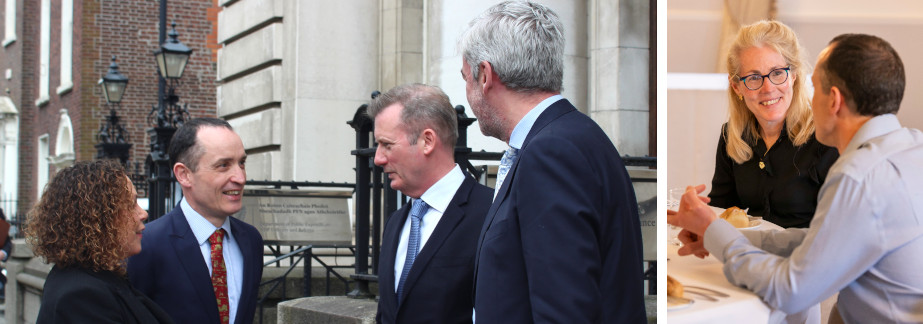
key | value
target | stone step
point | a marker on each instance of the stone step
(294, 283)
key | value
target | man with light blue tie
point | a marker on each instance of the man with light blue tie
(562, 241)
(427, 252)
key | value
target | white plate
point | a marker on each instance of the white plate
(754, 224)
(674, 303)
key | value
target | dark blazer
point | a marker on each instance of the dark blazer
(562, 240)
(77, 295)
(171, 270)
(438, 288)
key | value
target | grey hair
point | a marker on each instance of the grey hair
(522, 41)
(425, 107)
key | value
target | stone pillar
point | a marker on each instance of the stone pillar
(250, 68)
(292, 73)
(15, 292)
(327, 309)
(618, 72)
(335, 69)
(401, 30)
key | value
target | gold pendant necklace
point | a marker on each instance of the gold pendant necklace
(763, 165)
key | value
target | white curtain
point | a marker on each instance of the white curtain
(738, 13)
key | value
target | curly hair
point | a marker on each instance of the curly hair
(81, 217)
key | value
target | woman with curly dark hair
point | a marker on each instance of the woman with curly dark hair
(88, 223)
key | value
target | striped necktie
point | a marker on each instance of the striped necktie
(417, 210)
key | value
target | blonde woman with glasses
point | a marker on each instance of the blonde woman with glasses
(768, 159)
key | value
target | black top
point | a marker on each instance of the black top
(784, 192)
(77, 295)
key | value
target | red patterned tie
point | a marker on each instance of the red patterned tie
(220, 275)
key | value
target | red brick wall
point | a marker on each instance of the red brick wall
(28, 38)
(129, 30)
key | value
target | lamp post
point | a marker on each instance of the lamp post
(165, 118)
(112, 137)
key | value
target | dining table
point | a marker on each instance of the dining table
(714, 299)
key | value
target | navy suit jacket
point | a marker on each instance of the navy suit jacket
(171, 270)
(562, 239)
(438, 288)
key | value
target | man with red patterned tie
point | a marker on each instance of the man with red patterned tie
(197, 262)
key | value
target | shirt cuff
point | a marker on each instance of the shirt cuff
(718, 236)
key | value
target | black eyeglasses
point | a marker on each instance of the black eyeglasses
(755, 81)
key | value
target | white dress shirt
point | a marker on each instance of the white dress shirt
(438, 198)
(233, 259)
(865, 241)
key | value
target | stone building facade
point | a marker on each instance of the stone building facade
(287, 74)
(291, 73)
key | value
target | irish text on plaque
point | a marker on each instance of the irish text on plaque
(298, 217)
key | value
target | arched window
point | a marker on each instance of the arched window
(64, 143)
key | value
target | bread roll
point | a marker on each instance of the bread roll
(674, 288)
(736, 217)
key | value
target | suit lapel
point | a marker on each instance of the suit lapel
(389, 253)
(243, 242)
(187, 250)
(450, 218)
(554, 111)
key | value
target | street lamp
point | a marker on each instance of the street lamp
(171, 62)
(172, 56)
(114, 83)
(112, 137)
(165, 117)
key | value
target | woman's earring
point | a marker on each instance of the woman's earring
(740, 97)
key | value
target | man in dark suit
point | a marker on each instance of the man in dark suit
(197, 262)
(562, 241)
(427, 252)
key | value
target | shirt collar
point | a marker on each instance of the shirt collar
(877, 126)
(440, 194)
(518, 137)
(200, 226)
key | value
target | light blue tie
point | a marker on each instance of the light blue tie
(506, 162)
(417, 210)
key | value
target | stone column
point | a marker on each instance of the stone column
(15, 291)
(618, 72)
(292, 73)
(401, 30)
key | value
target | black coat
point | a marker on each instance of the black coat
(77, 295)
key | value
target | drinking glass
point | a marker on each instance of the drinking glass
(673, 197)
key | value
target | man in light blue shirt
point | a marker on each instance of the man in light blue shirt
(182, 249)
(561, 242)
(426, 264)
(866, 238)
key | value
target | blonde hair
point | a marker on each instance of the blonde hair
(742, 126)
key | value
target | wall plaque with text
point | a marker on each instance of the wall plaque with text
(298, 216)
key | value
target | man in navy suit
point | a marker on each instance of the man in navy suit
(562, 241)
(416, 129)
(176, 265)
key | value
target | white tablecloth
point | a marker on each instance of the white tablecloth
(742, 306)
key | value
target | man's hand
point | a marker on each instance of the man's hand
(694, 214)
(692, 244)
